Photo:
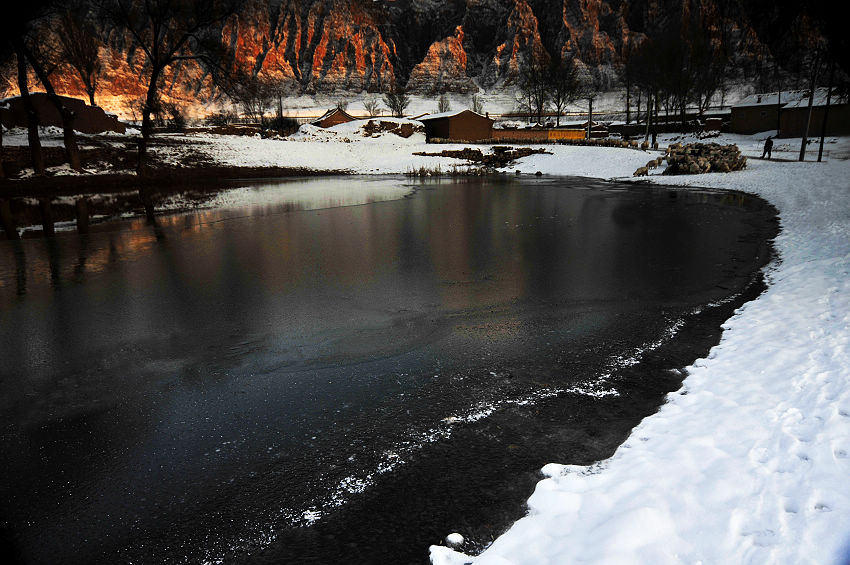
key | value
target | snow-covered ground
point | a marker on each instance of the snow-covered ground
(750, 461)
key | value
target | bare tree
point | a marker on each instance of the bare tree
(255, 95)
(815, 68)
(564, 86)
(705, 65)
(824, 122)
(533, 89)
(371, 105)
(443, 103)
(648, 63)
(36, 157)
(588, 89)
(476, 103)
(43, 58)
(168, 31)
(6, 70)
(80, 43)
(397, 101)
(628, 77)
(15, 25)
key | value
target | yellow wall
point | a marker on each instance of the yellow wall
(566, 134)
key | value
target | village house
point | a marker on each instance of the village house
(795, 115)
(87, 119)
(788, 112)
(461, 125)
(333, 117)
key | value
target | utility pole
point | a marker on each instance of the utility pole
(811, 101)
(778, 98)
(826, 110)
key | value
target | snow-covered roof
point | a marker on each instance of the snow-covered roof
(449, 114)
(581, 124)
(819, 100)
(788, 99)
(330, 113)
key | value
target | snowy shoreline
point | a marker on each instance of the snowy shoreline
(748, 462)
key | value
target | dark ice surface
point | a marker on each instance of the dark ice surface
(346, 380)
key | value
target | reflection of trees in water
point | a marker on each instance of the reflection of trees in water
(20, 267)
(54, 260)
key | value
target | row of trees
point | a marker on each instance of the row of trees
(554, 84)
(44, 36)
(679, 67)
(257, 96)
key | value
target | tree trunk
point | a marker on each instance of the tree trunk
(637, 112)
(648, 117)
(69, 137)
(826, 110)
(32, 118)
(778, 101)
(91, 96)
(589, 116)
(2, 170)
(655, 122)
(811, 101)
(81, 208)
(150, 99)
(628, 102)
(46, 209)
(7, 220)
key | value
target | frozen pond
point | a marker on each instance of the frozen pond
(345, 369)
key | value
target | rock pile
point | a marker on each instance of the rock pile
(696, 158)
(501, 156)
(373, 128)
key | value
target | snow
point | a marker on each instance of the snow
(50, 136)
(454, 539)
(789, 99)
(303, 194)
(749, 461)
(345, 147)
(448, 114)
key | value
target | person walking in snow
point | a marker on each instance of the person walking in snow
(768, 147)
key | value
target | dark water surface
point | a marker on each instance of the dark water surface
(324, 377)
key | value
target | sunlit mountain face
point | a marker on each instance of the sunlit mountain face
(432, 46)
